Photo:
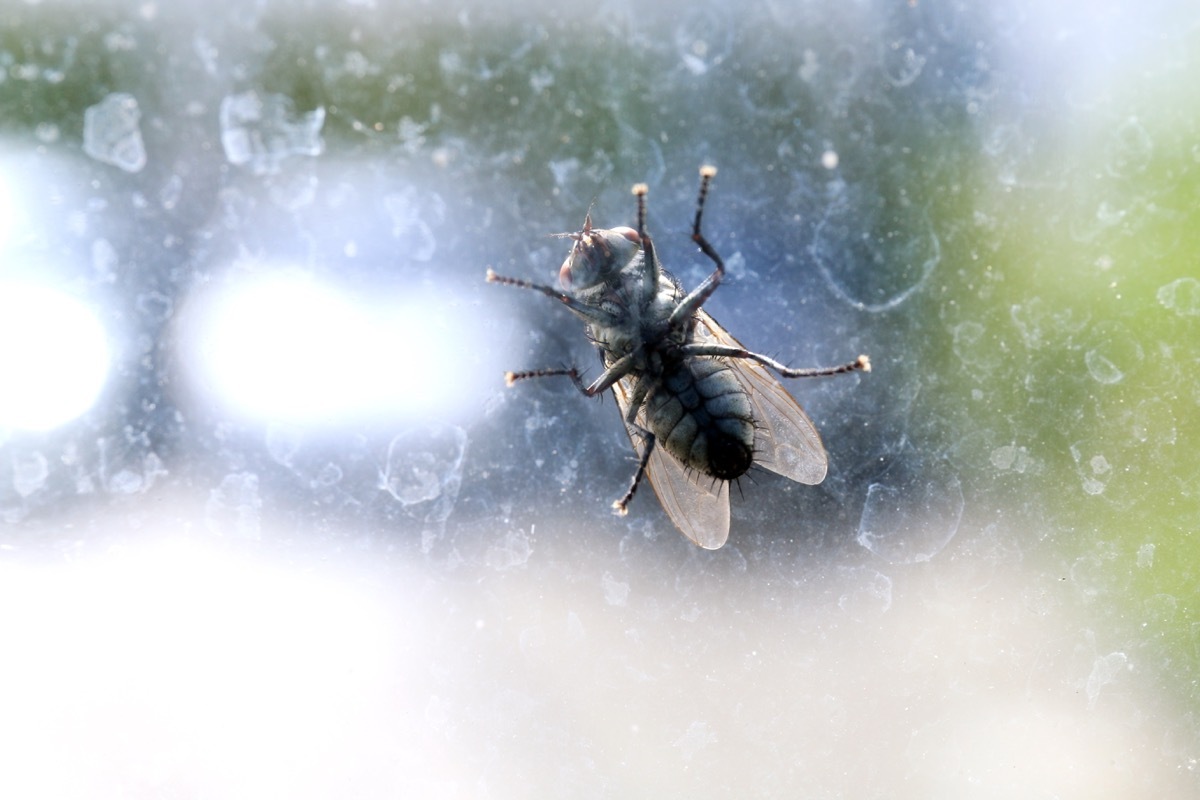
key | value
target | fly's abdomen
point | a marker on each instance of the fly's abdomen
(701, 414)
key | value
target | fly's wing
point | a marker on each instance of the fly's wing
(697, 505)
(786, 441)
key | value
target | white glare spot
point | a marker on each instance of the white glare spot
(53, 357)
(179, 640)
(283, 347)
(7, 212)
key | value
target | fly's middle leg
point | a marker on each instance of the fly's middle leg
(699, 296)
(512, 377)
(618, 370)
(621, 507)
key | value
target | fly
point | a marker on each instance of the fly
(699, 408)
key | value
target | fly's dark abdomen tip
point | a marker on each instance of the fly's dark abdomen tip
(728, 457)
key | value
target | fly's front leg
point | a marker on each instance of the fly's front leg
(649, 259)
(862, 363)
(699, 296)
(597, 316)
(621, 506)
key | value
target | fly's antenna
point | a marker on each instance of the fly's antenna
(579, 234)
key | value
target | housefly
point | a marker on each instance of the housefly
(699, 408)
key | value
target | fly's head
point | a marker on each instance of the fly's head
(597, 256)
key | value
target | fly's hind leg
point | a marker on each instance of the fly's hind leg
(636, 431)
(621, 506)
(860, 364)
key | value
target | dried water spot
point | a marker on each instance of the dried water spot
(905, 524)
(875, 258)
(1181, 296)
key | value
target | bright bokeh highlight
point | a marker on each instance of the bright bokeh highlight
(283, 346)
(54, 357)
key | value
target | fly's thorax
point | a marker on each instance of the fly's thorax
(640, 318)
(614, 341)
(701, 414)
(670, 292)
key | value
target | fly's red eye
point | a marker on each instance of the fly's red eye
(564, 275)
(628, 233)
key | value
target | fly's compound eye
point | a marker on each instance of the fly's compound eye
(628, 233)
(584, 262)
(597, 255)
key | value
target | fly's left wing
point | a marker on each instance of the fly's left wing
(698, 505)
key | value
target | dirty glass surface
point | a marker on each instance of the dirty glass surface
(272, 525)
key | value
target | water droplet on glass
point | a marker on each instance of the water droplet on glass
(513, 552)
(283, 443)
(1115, 353)
(913, 522)
(409, 211)
(1129, 149)
(30, 472)
(978, 351)
(425, 465)
(616, 592)
(126, 481)
(1105, 670)
(902, 65)
(235, 507)
(1181, 296)
(1101, 368)
(111, 133)
(329, 475)
(260, 131)
(874, 255)
(1011, 457)
(869, 592)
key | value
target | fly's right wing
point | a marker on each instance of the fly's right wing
(696, 503)
(786, 442)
